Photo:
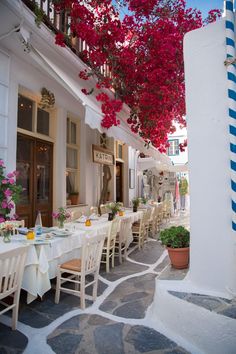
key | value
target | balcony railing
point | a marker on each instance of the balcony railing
(60, 22)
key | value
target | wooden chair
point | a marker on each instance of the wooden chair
(138, 232)
(12, 265)
(103, 209)
(75, 215)
(121, 243)
(108, 251)
(166, 210)
(78, 269)
(17, 224)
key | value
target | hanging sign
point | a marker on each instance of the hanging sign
(103, 156)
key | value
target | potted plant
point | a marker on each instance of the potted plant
(135, 202)
(74, 197)
(176, 239)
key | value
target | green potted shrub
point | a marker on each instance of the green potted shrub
(176, 239)
(135, 202)
(74, 198)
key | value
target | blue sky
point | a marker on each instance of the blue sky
(205, 5)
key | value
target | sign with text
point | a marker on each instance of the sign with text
(103, 156)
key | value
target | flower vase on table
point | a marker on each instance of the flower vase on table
(61, 216)
(7, 236)
(61, 224)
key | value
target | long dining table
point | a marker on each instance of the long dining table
(44, 255)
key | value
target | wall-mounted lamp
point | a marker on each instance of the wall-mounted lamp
(47, 100)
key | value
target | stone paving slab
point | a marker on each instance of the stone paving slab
(131, 298)
(149, 254)
(122, 270)
(94, 334)
(39, 313)
(11, 342)
(171, 273)
(216, 304)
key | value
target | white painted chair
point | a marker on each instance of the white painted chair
(103, 209)
(12, 265)
(78, 269)
(93, 210)
(18, 223)
(121, 243)
(108, 251)
(138, 230)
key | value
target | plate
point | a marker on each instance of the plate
(61, 233)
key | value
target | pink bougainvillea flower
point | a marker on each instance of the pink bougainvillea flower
(7, 193)
(11, 205)
(10, 175)
(4, 204)
(11, 181)
(2, 219)
(1, 163)
(4, 181)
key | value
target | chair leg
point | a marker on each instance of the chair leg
(95, 286)
(57, 294)
(113, 257)
(15, 309)
(120, 254)
(107, 262)
(82, 294)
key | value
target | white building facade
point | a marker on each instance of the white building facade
(51, 144)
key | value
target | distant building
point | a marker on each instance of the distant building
(176, 156)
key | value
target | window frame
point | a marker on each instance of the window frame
(73, 146)
(35, 99)
(173, 147)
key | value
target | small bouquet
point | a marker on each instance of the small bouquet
(114, 207)
(61, 215)
(6, 229)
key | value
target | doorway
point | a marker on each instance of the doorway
(34, 165)
(119, 182)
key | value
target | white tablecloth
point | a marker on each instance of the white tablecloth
(101, 225)
(42, 260)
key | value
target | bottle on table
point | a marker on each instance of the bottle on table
(38, 224)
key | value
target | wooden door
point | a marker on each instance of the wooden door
(34, 164)
(119, 182)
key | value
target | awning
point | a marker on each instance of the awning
(93, 115)
(157, 166)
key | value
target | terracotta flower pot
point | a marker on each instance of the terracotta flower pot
(74, 198)
(179, 257)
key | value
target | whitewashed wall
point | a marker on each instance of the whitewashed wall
(213, 259)
(15, 72)
(133, 158)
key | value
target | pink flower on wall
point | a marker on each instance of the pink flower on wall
(9, 193)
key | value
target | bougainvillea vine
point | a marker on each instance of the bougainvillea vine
(144, 53)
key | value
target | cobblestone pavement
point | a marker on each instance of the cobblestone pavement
(115, 323)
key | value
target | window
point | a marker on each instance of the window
(31, 117)
(72, 156)
(173, 149)
(119, 150)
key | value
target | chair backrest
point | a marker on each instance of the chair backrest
(93, 210)
(112, 232)
(103, 209)
(75, 215)
(91, 253)
(12, 265)
(18, 223)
